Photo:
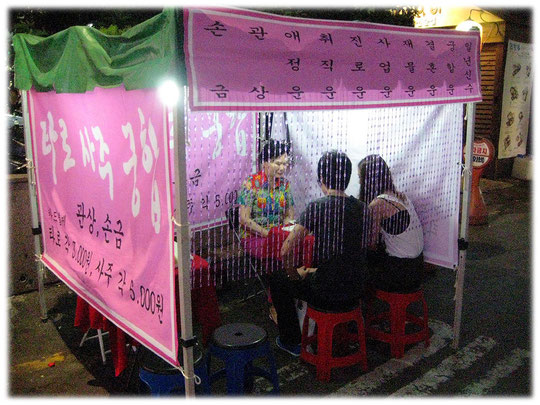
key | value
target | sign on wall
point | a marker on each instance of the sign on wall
(104, 192)
(244, 60)
(516, 105)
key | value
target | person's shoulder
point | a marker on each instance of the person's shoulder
(253, 181)
(353, 200)
(315, 205)
(356, 202)
(379, 202)
(355, 205)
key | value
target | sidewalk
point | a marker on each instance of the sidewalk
(45, 358)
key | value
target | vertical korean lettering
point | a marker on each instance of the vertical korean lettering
(49, 137)
(218, 129)
(149, 152)
(105, 169)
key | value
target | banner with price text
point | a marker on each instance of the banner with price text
(103, 180)
(245, 60)
(220, 154)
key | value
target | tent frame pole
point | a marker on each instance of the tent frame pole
(32, 192)
(464, 226)
(183, 242)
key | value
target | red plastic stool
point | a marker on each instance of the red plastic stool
(398, 317)
(326, 322)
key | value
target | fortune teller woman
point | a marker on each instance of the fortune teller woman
(265, 198)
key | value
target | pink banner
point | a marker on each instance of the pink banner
(220, 155)
(244, 60)
(105, 205)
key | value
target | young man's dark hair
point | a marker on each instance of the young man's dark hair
(334, 170)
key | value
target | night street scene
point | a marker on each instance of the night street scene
(273, 201)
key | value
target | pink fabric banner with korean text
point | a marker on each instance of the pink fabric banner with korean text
(103, 179)
(244, 60)
(220, 156)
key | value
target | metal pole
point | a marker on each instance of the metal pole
(183, 240)
(464, 226)
(30, 171)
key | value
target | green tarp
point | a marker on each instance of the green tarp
(79, 59)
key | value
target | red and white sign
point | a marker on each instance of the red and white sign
(482, 153)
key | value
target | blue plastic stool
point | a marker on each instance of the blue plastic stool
(164, 379)
(237, 345)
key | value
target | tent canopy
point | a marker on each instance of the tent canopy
(80, 58)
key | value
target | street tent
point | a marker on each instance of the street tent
(99, 138)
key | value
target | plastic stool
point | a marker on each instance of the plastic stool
(237, 345)
(398, 317)
(162, 378)
(326, 321)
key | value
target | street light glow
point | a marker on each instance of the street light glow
(469, 25)
(169, 93)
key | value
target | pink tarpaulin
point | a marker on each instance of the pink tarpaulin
(244, 60)
(220, 155)
(103, 180)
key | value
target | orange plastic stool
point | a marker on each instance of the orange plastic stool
(326, 322)
(398, 317)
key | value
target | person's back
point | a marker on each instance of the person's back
(335, 282)
(339, 254)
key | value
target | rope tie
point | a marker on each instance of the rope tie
(194, 377)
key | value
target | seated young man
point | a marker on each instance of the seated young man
(339, 264)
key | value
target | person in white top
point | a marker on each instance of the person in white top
(396, 238)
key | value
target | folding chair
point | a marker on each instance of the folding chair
(233, 216)
(99, 335)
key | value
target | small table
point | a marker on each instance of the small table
(269, 247)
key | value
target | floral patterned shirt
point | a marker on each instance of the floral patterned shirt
(268, 206)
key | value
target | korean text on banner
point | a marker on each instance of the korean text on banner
(243, 60)
(103, 181)
(218, 143)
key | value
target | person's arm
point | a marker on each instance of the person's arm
(298, 234)
(375, 215)
(247, 222)
(379, 209)
(289, 215)
(246, 200)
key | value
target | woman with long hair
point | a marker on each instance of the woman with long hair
(396, 239)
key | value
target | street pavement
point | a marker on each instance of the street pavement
(493, 359)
